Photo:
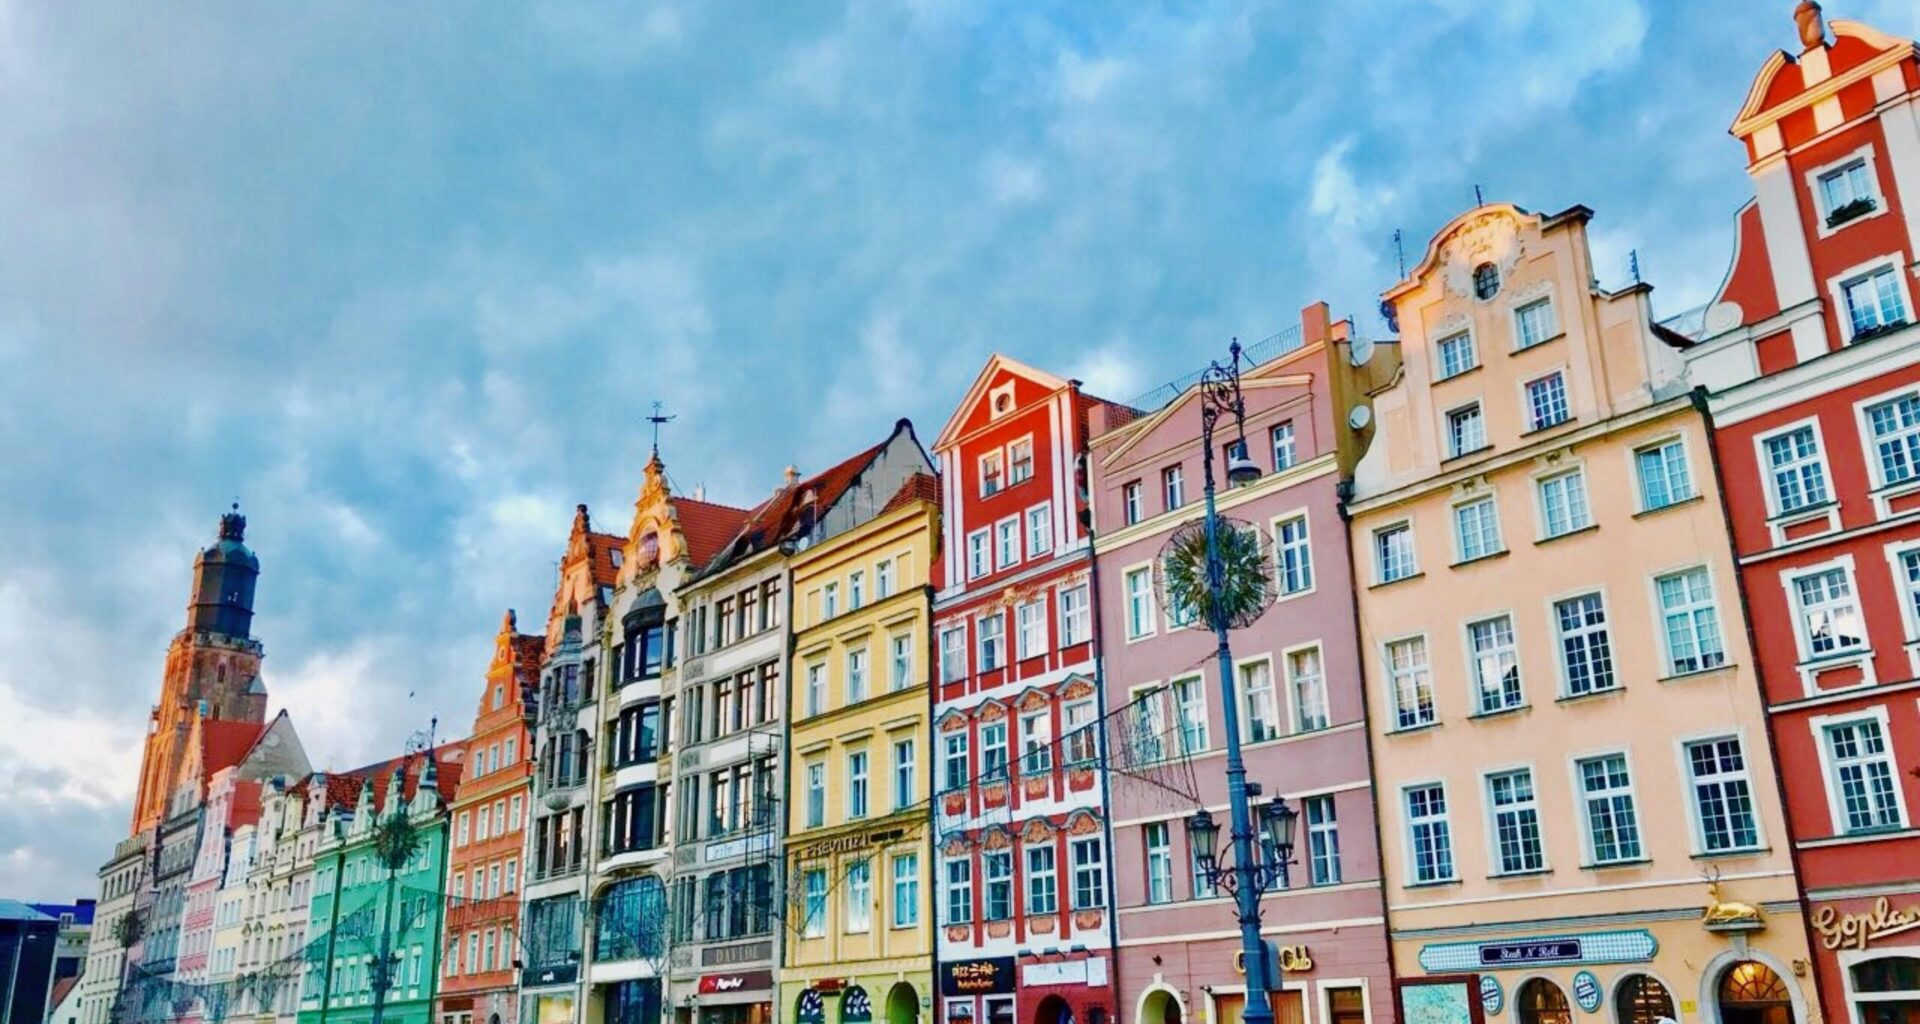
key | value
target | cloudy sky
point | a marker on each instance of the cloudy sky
(404, 278)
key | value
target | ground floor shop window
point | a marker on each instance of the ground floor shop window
(999, 1009)
(1886, 990)
(1540, 1001)
(1346, 1004)
(744, 1013)
(1641, 999)
(633, 1002)
(1288, 1007)
(1751, 993)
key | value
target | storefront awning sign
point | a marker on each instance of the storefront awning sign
(1621, 947)
(990, 976)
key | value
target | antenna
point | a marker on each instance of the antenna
(1399, 253)
(658, 418)
(1478, 200)
(1633, 264)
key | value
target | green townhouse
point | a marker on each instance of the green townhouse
(378, 892)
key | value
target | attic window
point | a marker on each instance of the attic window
(1486, 281)
(1001, 402)
(618, 557)
(649, 547)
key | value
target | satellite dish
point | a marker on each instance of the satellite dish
(1359, 417)
(1180, 575)
(1359, 351)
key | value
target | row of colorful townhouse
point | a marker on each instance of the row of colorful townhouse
(1589, 680)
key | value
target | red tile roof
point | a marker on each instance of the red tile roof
(343, 788)
(778, 516)
(707, 526)
(918, 487)
(602, 546)
(224, 744)
(246, 804)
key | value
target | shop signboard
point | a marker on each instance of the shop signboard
(990, 976)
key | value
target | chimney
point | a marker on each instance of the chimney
(793, 476)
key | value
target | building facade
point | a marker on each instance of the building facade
(1025, 930)
(1813, 364)
(122, 877)
(232, 808)
(1578, 803)
(488, 812)
(1297, 679)
(858, 934)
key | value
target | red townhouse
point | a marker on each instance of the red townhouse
(1811, 364)
(1025, 933)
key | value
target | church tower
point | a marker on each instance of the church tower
(213, 666)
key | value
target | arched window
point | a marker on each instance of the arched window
(1486, 281)
(1641, 999)
(1540, 1001)
(631, 919)
(1751, 993)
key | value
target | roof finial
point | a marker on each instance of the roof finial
(1813, 30)
(233, 525)
(659, 417)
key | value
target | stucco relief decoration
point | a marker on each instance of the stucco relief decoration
(1528, 292)
(1034, 786)
(1077, 687)
(1452, 324)
(996, 838)
(1083, 823)
(992, 711)
(1040, 923)
(1033, 700)
(1036, 830)
(1492, 237)
(955, 846)
(953, 721)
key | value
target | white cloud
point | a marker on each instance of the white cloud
(1011, 180)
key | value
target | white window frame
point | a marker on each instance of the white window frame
(1558, 475)
(1375, 552)
(1277, 719)
(1553, 330)
(906, 906)
(1006, 543)
(1161, 853)
(1803, 640)
(980, 542)
(981, 640)
(883, 579)
(859, 784)
(1409, 844)
(899, 661)
(1865, 154)
(1292, 446)
(858, 905)
(906, 772)
(1765, 466)
(1173, 484)
(1189, 694)
(1132, 507)
(1690, 792)
(1491, 820)
(1011, 445)
(1391, 679)
(1837, 287)
(1577, 778)
(1305, 547)
(1641, 502)
(1455, 449)
(1820, 725)
(958, 629)
(1295, 707)
(1473, 662)
(1908, 592)
(1143, 570)
(1030, 635)
(1499, 543)
(1076, 624)
(1034, 877)
(1660, 613)
(1870, 448)
(1559, 642)
(1039, 541)
(1440, 354)
(997, 457)
(859, 674)
(1526, 399)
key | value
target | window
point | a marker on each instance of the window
(1173, 487)
(903, 774)
(1075, 622)
(1263, 712)
(1284, 452)
(1323, 841)
(1534, 323)
(1082, 741)
(1429, 834)
(816, 688)
(1457, 355)
(993, 750)
(856, 675)
(1393, 553)
(1139, 603)
(1799, 473)
(1020, 460)
(1130, 502)
(1190, 700)
(1089, 873)
(977, 555)
(829, 603)
(1540, 1001)
(953, 763)
(1664, 480)
(1036, 742)
(1546, 401)
(899, 661)
(856, 784)
(1692, 624)
(953, 654)
(815, 887)
(816, 794)
(1873, 302)
(1829, 616)
(1476, 526)
(1516, 823)
(1466, 431)
(1007, 543)
(1486, 281)
(1641, 999)
(992, 476)
(1847, 192)
(1039, 530)
(1896, 438)
(1496, 665)
(906, 890)
(1043, 894)
(1613, 828)
(1722, 795)
(1032, 617)
(993, 642)
(856, 590)
(959, 891)
(999, 879)
(1409, 683)
(1863, 776)
(1159, 862)
(1308, 681)
(1294, 555)
(883, 579)
(859, 897)
(1586, 653)
(1563, 504)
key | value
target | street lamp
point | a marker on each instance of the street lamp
(1277, 819)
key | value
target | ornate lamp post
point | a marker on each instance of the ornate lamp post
(1248, 878)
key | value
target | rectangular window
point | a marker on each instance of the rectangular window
(1032, 617)
(1466, 431)
(1692, 624)
(992, 473)
(1307, 678)
(1293, 555)
(1139, 603)
(1664, 479)
(1039, 530)
(1863, 776)
(899, 661)
(1613, 826)
(1323, 841)
(1263, 711)
(1410, 684)
(1563, 504)
(1516, 823)
(1190, 700)
(856, 675)
(815, 886)
(1829, 616)
(1457, 355)
(1130, 502)
(1007, 543)
(1496, 665)
(1910, 580)
(1795, 467)
(883, 579)
(1547, 401)
(1393, 553)
(978, 557)
(1036, 742)
(906, 890)
(953, 654)
(1586, 652)
(1159, 862)
(1873, 302)
(993, 750)
(1173, 487)
(1534, 323)
(857, 784)
(993, 642)
(1845, 190)
(1476, 527)
(859, 897)
(1076, 626)
(1082, 740)
(1284, 452)
(829, 603)
(999, 879)
(816, 689)
(1429, 834)
(1089, 873)
(959, 891)
(1722, 795)
(816, 794)
(903, 774)
(1896, 438)
(954, 762)
(1020, 460)
(1043, 893)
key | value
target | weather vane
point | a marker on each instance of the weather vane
(659, 417)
